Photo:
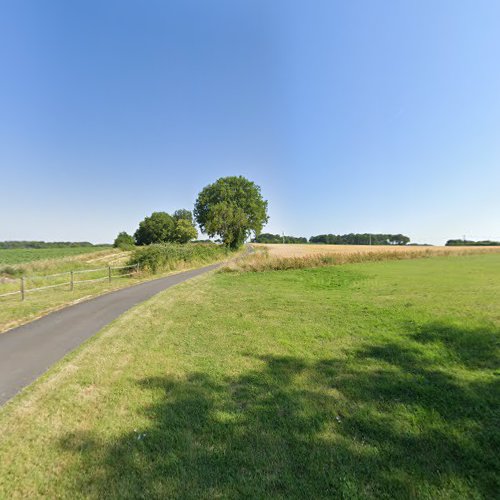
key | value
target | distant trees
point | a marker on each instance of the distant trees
(469, 243)
(161, 227)
(124, 241)
(276, 238)
(232, 208)
(360, 239)
(5, 245)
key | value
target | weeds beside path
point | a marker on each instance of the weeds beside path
(14, 312)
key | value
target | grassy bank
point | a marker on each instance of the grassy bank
(155, 259)
(372, 380)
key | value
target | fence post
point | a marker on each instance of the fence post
(72, 285)
(109, 273)
(22, 287)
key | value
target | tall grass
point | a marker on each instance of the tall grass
(264, 261)
(169, 256)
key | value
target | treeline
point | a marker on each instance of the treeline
(469, 243)
(337, 239)
(276, 238)
(360, 239)
(6, 245)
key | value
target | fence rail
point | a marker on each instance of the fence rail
(23, 289)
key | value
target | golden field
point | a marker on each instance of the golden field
(278, 257)
(298, 250)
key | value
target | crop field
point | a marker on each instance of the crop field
(23, 255)
(40, 272)
(298, 250)
(367, 380)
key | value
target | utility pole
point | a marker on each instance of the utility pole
(283, 234)
(370, 239)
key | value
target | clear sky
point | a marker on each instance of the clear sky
(353, 116)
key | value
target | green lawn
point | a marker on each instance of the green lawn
(375, 380)
(23, 255)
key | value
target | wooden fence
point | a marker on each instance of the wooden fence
(72, 279)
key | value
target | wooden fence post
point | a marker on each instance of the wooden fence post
(72, 282)
(22, 287)
(109, 273)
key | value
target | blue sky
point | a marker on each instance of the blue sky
(354, 116)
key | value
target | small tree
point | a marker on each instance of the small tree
(233, 208)
(159, 227)
(124, 240)
(184, 231)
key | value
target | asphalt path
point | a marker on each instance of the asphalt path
(28, 351)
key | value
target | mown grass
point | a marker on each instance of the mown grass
(373, 380)
(22, 255)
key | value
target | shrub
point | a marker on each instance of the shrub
(168, 256)
(124, 241)
(11, 271)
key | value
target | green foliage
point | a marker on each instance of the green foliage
(163, 257)
(373, 381)
(276, 238)
(468, 243)
(183, 214)
(124, 241)
(46, 244)
(159, 227)
(22, 255)
(11, 271)
(232, 208)
(184, 231)
(360, 239)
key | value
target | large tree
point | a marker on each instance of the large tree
(159, 227)
(183, 214)
(232, 208)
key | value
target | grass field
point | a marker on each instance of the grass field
(23, 255)
(373, 380)
(13, 311)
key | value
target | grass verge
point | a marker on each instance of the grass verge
(359, 381)
(14, 312)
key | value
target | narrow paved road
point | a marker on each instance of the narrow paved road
(29, 350)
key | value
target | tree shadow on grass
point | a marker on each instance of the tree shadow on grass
(381, 422)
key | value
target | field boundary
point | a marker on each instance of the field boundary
(24, 289)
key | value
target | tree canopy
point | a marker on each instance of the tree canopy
(157, 228)
(360, 239)
(232, 208)
(184, 231)
(277, 238)
(124, 240)
(161, 227)
(470, 243)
